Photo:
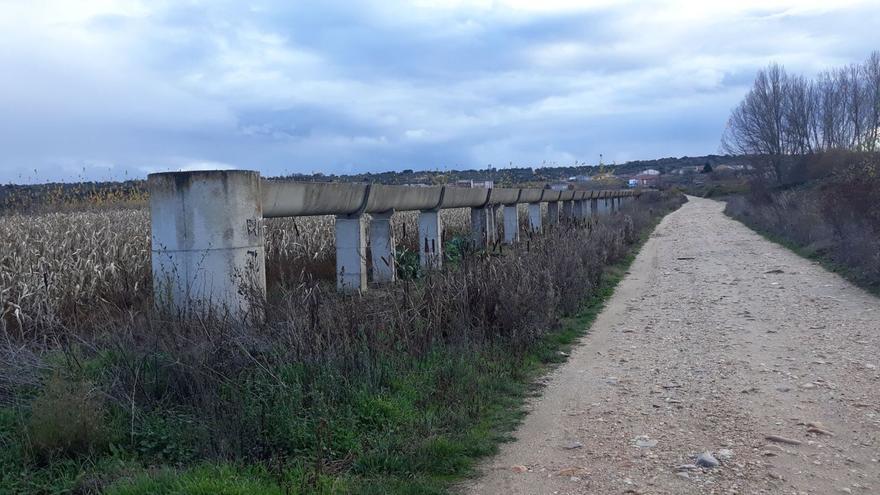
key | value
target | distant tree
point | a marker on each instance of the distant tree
(871, 74)
(756, 125)
(707, 168)
(784, 116)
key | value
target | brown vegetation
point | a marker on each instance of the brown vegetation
(832, 215)
(814, 146)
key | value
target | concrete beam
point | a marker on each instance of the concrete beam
(511, 224)
(382, 248)
(430, 240)
(207, 243)
(535, 224)
(351, 253)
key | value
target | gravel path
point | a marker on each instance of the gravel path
(717, 341)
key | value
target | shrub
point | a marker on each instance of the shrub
(66, 419)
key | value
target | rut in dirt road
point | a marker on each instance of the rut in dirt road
(717, 341)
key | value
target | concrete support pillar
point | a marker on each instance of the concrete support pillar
(594, 207)
(491, 227)
(553, 212)
(535, 217)
(493, 223)
(579, 209)
(382, 249)
(351, 253)
(207, 243)
(481, 220)
(511, 224)
(567, 210)
(430, 240)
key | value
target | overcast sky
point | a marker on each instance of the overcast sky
(119, 88)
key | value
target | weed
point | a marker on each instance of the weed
(67, 419)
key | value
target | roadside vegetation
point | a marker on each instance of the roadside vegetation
(395, 390)
(814, 150)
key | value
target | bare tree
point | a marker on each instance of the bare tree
(785, 116)
(832, 107)
(756, 126)
(871, 74)
(800, 128)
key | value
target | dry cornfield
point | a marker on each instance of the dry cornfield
(58, 269)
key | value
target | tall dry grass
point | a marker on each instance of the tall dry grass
(61, 269)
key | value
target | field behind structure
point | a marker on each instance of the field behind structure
(66, 267)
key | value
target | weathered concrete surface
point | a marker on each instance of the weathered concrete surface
(430, 239)
(351, 252)
(535, 220)
(511, 224)
(480, 226)
(716, 339)
(291, 198)
(382, 247)
(553, 212)
(207, 242)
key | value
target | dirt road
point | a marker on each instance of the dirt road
(717, 341)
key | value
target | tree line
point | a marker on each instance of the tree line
(786, 115)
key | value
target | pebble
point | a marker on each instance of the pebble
(724, 454)
(706, 459)
(643, 442)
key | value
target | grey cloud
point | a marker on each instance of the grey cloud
(346, 86)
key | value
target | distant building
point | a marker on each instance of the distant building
(648, 178)
(724, 166)
(633, 183)
(560, 186)
(488, 184)
(580, 178)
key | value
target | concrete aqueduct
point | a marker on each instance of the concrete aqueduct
(207, 230)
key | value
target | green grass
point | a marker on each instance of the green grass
(409, 426)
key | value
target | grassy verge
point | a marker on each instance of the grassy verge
(847, 272)
(411, 424)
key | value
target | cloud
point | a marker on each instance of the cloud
(110, 88)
